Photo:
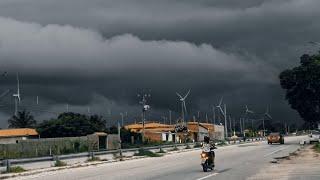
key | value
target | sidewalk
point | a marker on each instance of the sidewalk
(302, 165)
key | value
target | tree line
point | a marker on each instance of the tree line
(67, 124)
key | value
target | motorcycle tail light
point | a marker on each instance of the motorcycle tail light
(203, 155)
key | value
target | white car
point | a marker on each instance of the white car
(314, 137)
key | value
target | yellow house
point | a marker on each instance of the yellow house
(11, 136)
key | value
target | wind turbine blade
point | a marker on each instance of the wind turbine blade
(187, 94)
(4, 93)
(221, 110)
(268, 115)
(220, 101)
(179, 95)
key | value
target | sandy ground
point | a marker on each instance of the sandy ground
(302, 165)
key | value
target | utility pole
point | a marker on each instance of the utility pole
(264, 129)
(121, 114)
(207, 118)
(89, 112)
(170, 116)
(225, 120)
(145, 107)
(214, 115)
(241, 126)
(230, 125)
(119, 136)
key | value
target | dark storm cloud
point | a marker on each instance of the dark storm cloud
(67, 50)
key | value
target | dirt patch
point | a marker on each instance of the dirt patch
(299, 165)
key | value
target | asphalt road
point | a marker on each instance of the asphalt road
(232, 162)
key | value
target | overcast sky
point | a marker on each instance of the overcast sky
(101, 53)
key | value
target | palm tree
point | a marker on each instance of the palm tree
(23, 120)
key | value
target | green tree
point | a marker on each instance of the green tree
(23, 119)
(302, 85)
(71, 125)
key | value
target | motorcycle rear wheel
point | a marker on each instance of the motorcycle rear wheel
(205, 167)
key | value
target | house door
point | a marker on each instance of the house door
(102, 142)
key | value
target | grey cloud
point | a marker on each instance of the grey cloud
(114, 48)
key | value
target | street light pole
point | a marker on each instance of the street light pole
(225, 120)
(145, 107)
(119, 136)
(121, 118)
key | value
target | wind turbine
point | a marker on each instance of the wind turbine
(183, 104)
(224, 113)
(17, 96)
(266, 114)
(248, 111)
(4, 93)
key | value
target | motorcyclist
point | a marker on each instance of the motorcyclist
(208, 148)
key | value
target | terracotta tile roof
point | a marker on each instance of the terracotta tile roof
(148, 126)
(18, 132)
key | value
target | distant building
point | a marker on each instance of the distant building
(11, 136)
(166, 133)
(155, 131)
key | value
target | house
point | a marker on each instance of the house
(12, 136)
(154, 131)
(196, 131)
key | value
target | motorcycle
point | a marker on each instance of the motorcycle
(207, 159)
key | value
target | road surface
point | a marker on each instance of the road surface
(232, 162)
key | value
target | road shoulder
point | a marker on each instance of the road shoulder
(302, 164)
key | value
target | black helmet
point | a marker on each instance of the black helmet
(206, 139)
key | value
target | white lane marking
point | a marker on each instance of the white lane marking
(210, 175)
(276, 151)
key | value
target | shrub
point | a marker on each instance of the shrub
(161, 151)
(197, 145)
(175, 148)
(188, 146)
(317, 147)
(143, 152)
(16, 169)
(94, 158)
(59, 163)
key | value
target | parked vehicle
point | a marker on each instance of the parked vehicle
(275, 138)
(314, 137)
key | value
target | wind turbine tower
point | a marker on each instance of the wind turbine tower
(182, 99)
(224, 113)
(266, 114)
(17, 97)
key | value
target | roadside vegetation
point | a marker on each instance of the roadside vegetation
(197, 145)
(175, 148)
(59, 163)
(161, 151)
(317, 147)
(188, 146)
(94, 158)
(143, 152)
(16, 169)
(301, 84)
